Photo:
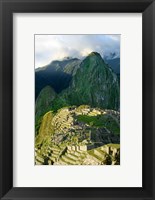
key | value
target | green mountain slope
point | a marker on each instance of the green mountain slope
(94, 84)
(43, 104)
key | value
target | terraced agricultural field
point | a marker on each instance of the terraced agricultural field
(78, 136)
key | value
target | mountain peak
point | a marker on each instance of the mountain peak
(95, 83)
(93, 53)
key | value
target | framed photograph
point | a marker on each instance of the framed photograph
(77, 103)
(77, 99)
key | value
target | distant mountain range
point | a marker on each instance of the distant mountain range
(114, 64)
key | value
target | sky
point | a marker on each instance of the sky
(56, 47)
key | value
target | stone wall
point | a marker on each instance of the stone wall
(77, 148)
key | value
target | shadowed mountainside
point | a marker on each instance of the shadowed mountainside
(57, 74)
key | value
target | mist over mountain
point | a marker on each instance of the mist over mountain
(55, 47)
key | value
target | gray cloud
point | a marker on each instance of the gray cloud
(53, 47)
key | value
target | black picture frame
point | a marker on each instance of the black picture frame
(7, 8)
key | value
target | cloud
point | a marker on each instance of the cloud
(53, 47)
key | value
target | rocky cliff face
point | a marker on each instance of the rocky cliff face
(95, 84)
